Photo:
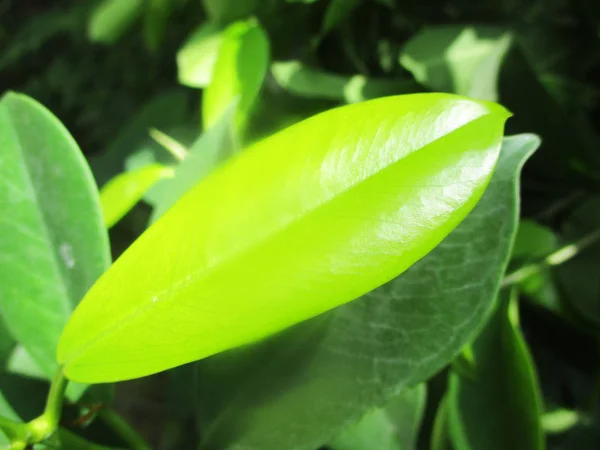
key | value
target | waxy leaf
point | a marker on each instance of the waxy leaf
(54, 244)
(238, 72)
(121, 193)
(299, 389)
(500, 406)
(313, 83)
(298, 224)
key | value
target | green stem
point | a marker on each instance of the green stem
(123, 429)
(43, 426)
(560, 256)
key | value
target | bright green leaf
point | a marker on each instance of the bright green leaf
(54, 245)
(394, 427)
(317, 214)
(501, 408)
(121, 193)
(464, 60)
(112, 18)
(196, 58)
(297, 389)
(313, 83)
(238, 72)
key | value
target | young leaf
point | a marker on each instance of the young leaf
(300, 223)
(313, 83)
(501, 408)
(112, 18)
(394, 427)
(54, 245)
(238, 72)
(464, 60)
(298, 389)
(121, 193)
(196, 58)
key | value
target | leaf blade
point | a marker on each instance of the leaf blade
(46, 186)
(328, 172)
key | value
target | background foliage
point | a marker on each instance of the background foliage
(114, 70)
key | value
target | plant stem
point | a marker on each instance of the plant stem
(553, 259)
(123, 429)
(43, 426)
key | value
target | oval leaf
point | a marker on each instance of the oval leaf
(54, 244)
(121, 193)
(300, 223)
(301, 387)
(239, 71)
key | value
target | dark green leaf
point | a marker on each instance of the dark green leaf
(227, 11)
(164, 112)
(337, 12)
(578, 278)
(500, 408)
(54, 245)
(156, 15)
(394, 427)
(297, 390)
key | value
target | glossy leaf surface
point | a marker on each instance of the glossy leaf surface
(197, 57)
(312, 83)
(54, 245)
(500, 407)
(464, 60)
(303, 221)
(121, 193)
(300, 388)
(238, 72)
(394, 427)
